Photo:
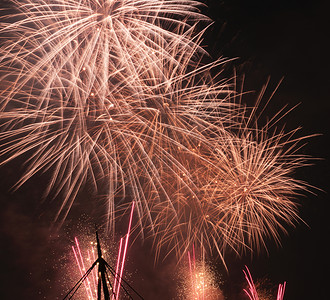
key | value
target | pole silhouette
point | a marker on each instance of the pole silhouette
(104, 282)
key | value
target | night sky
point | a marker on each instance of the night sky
(269, 38)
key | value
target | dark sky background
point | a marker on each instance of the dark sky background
(269, 38)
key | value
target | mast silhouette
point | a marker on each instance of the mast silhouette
(101, 273)
(103, 279)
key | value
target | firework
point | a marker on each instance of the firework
(116, 94)
(280, 291)
(122, 258)
(90, 284)
(252, 292)
(108, 100)
(197, 280)
(245, 197)
(255, 196)
(197, 276)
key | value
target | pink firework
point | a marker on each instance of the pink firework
(90, 284)
(252, 292)
(280, 292)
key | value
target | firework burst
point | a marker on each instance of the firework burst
(116, 94)
(83, 82)
(245, 197)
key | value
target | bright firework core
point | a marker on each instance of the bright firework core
(197, 280)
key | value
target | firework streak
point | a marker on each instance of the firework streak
(117, 281)
(115, 94)
(280, 291)
(252, 291)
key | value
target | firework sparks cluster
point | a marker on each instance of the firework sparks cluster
(201, 282)
(116, 94)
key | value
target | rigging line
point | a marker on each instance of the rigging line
(123, 279)
(79, 282)
(125, 290)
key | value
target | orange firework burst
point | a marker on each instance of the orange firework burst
(245, 193)
(75, 77)
(116, 94)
